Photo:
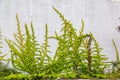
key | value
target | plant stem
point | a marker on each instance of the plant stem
(89, 53)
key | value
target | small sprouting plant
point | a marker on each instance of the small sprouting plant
(116, 64)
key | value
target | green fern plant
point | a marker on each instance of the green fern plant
(99, 60)
(76, 54)
(26, 53)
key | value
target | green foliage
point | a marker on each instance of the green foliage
(116, 50)
(18, 77)
(1, 54)
(31, 77)
(78, 54)
(5, 70)
(26, 54)
(114, 75)
(115, 72)
(116, 64)
(99, 60)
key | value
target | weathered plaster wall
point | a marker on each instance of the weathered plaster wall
(101, 18)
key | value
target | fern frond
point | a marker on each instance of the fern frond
(19, 33)
(59, 13)
(2, 56)
(116, 50)
(82, 28)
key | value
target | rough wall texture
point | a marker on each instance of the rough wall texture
(101, 18)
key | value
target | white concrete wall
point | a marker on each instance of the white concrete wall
(101, 18)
